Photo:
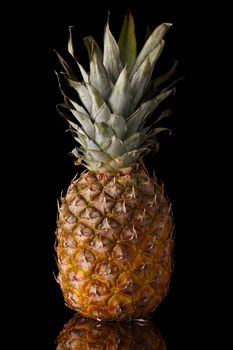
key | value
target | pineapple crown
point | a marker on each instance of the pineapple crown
(108, 110)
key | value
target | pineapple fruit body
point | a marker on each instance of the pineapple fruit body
(114, 244)
(82, 334)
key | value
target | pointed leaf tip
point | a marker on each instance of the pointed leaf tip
(111, 54)
(127, 42)
(154, 39)
(70, 42)
(69, 64)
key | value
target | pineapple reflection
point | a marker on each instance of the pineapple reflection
(88, 334)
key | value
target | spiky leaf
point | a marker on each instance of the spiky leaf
(78, 108)
(98, 156)
(86, 123)
(80, 137)
(141, 71)
(118, 125)
(151, 43)
(126, 159)
(156, 83)
(127, 42)
(156, 131)
(65, 88)
(101, 109)
(92, 146)
(111, 57)
(166, 113)
(98, 75)
(70, 42)
(140, 81)
(143, 112)
(81, 116)
(133, 142)
(69, 65)
(103, 114)
(83, 72)
(103, 135)
(83, 93)
(115, 148)
(96, 100)
(121, 96)
(90, 44)
(64, 111)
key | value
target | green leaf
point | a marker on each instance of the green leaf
(98, 156)
(96, 100)
(150, 140)
(121, 96)
(83, 72)
(98, 76)
(72, 52)
(92, 146)
(140, 81)
(133, 142)
(85, 122)
(136, 119)
(69, 64)
(166, 113)
(65, 88)
(103, 114)
(156, 131)
(118, 125)
(103, 135)
(80, 137)
(116, 147)
(79, 108)
(127, 159)
(83, 93)
(154, 39)
(173, 83)
(155, 84)
(127, 42)
(111, 58)
(144, 111)
(76, 153)
(64, 111)
(73, 125)
(81, 116)
(70, 42)
(142, 76)
(90, 44)
(68, 102)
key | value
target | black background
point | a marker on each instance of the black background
(46, 169)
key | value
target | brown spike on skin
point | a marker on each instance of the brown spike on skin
(133, 237)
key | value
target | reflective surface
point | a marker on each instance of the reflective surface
(82, 333)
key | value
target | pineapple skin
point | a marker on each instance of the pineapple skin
(80, 334)
(114, 244)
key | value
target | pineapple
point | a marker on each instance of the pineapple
(115, 226)
(82, 333)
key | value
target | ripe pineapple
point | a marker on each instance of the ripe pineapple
(114, 227)
(82, 333)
